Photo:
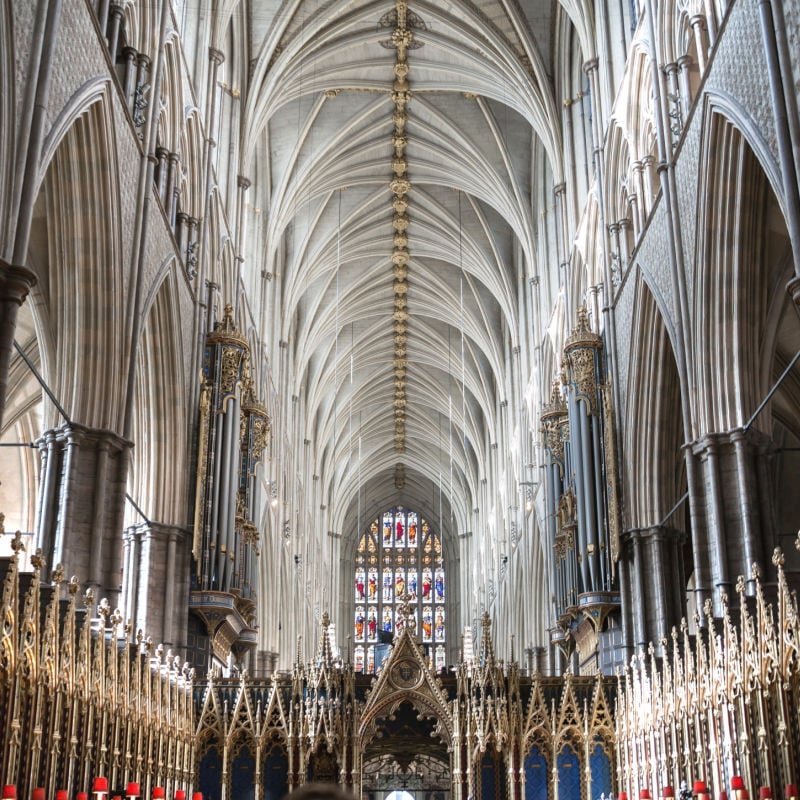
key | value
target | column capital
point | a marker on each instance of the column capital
(698, 20)
(244, 183)
(217, 56)
(590, 65)
(15, 282)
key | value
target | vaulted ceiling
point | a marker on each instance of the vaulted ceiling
(399, 303)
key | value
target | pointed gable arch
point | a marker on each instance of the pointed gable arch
(406, 677)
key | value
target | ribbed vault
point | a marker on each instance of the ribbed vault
(319, 135)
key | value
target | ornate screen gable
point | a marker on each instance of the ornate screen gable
(406, 677)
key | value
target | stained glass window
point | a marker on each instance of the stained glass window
(399, 557)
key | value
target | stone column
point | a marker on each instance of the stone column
(735, 495)
(157, 581)
(15, 283)
(81, 502)
(116, 13)
(661, 581)
(161, 173)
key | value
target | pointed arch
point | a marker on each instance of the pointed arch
(159, 463)
(72, 246)
(653, 432)
(732, 275)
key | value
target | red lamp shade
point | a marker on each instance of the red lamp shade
(37, 793)
(197, 796)
(158, 793)
(132, 790)
(180, 794)
(61, 794)
(100, 785)
(723, 795)
(765, 793)
(790, 790)
(737, 782)
(668, 791)
(644, 794)
(81, 796)
(699, 787)
(622, 796)
(9, 792)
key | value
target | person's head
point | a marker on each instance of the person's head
(318, 791)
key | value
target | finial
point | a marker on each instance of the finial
(16, 544)
(104, 610)
(37, 561)
(755, 571)
(777, 557)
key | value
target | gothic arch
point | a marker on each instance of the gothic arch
(70, 253)
(654, 470)
(653, 430)
(159, 464)
(733, 275)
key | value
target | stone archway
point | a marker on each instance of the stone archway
(405, 735)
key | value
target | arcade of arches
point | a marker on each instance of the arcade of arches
(412, 388)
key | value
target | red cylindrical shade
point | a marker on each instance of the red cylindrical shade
(790, 790)
(100, 784)
(9, 792)
(158, 793)
(668, 791)
(765, 793)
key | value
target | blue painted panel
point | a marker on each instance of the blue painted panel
(488, 778)
(536, 775)
(243, 776)
(210, 775)
(601, 772)
(275, 775)
(569, 775)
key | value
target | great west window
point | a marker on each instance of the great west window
(399, 557)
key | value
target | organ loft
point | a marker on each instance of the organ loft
(401, 396)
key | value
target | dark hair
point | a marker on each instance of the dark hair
(318, 791)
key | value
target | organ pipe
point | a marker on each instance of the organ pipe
(581, 485)
(234, 431)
